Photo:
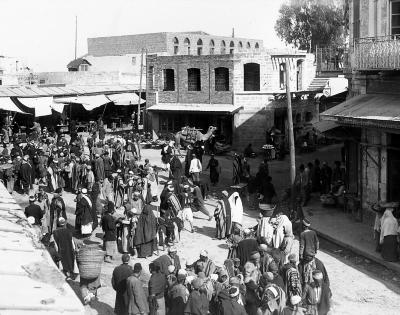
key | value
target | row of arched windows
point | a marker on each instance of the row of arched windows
(223, 45)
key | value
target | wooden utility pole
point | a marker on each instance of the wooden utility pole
(291, 135)
(140, 91)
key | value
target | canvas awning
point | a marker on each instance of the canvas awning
(369, 110)
(88, 102)
(203, 108)
(7, 104)
(42, 105)
(125, 99)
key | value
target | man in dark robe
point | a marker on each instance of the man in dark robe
(188, 159)
(175, 167)
(26, 174)
(228, 213)
(146, 230)
(99, 167)
(197, 303)
(33, 210)
(65, 247)
(107, 164)
(245, 247)
(229, 302)
(198, 202)
(167, 260)
(118, 281)
(83, 211)
(214, 167)
(57, 209)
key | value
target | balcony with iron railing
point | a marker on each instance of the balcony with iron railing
(331, 59)
(377, 53)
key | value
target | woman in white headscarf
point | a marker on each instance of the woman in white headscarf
(389, 234)
(236, 209)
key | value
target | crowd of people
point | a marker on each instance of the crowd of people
(267, 271)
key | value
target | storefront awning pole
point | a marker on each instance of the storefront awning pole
(291, 136)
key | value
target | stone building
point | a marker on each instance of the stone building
(241, 93)
(369, 120)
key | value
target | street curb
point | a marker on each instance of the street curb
(392, 266)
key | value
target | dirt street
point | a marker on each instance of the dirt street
(356, 289)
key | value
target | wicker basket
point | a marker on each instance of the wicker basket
(89, 260)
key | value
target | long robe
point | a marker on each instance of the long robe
(236, 208)
(220, 220)
(63, 238)
(245, 248)
(118, 281)
(99, 168)
(214, 172)
(176, 168)
(57, 210)
(146, 231)
(83, 212)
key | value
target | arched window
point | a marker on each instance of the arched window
(186, 43)
(257, 46)
(221, 79)
(231, 47)
(251, 77)
(199, 47)
(240, 45)
(176, 46)
(223, 47)
(194, 79)
(212, 47)
(248, 46)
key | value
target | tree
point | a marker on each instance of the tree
(307, 23)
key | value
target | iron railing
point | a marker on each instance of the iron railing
(377, 53)
(331, 58)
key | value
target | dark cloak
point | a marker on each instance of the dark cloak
(245, 248)
(63, 238)
(145, 234)
(228, 217)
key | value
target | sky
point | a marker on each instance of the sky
(42, 32)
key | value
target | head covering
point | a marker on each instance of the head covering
(204, 253)
(31, 220)
(181, 277)
(246, 232)
(58, 191)
(170, 188)
(234, 281)
(137, 268)
(32, 198)
(273, 291)
(126, 258)
(136, 193)
(269, 276)
(119, 171)
(190, 279)
(306, 222)
(255, 254)
(233, 292)
(89, 167)
(197, 283)
(273, 267)
(61, 221)
(292, 258)
(172, 249)
(84, 191)
(263, 247)
(171, 268)
(295, 299)
(317, 275)
(214, 277)
(182, 272)
(26, 157)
